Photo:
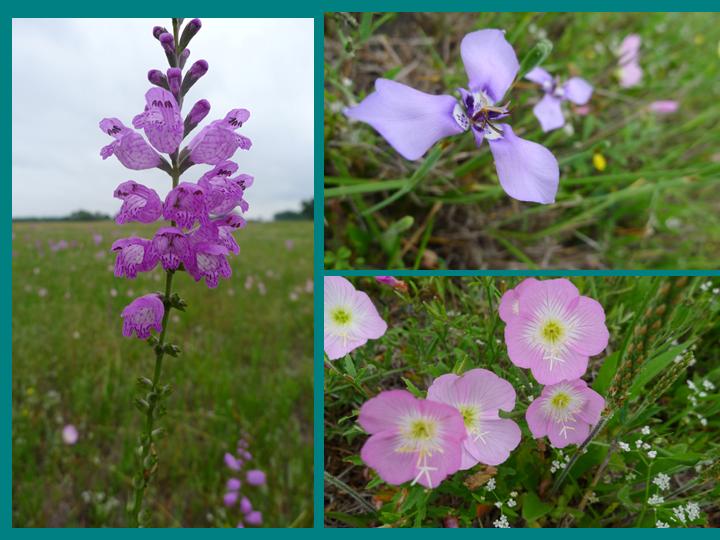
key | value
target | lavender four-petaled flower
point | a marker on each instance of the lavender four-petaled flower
(548, 110)
(412, 121)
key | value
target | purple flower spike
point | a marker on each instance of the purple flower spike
(254, 518)
(208, 261)
(412, 121)
(158, 78)
(255, 477)
(141, 315)
(185, 204)
(548, 110)
(129, 147)
(172, 247)
(134, 254)
(161, 120)
(174, 77)
(218, 141)
(140, 203)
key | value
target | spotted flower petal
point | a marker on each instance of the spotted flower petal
(134, 254)
(140, 203)
(142, 315)
(218, 141)
(129, 147)
(161, 120)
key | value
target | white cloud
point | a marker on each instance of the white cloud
(68, 74)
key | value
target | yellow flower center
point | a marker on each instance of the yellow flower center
(552, 332)
(468, 414)
(341, 316)
(422, 430)
(560, 400)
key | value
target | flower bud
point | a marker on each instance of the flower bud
(199, 111)
(197, 70)
(168, 45)
(174, 78)
(157, 77)
(189, 32)
(183, 57)
(159, 31)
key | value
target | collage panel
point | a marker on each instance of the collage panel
(494, 402)
(521, 140)
(162, 274)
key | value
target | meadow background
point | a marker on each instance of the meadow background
(245, 368)
(444, 325)
(637, 190)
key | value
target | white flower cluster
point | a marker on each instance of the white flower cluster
(697, 394)
(560, 463)
(708, 285)
(662, 481)
(490, 486)
(501, 523)
(656, 500)
(661, 525)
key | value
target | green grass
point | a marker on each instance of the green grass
(656, 205)
(451, 325)
(246, 366)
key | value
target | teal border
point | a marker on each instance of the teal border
(279, 8)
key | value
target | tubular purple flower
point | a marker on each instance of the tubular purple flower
(185, 204)
(157, 77)
(183, 58)
(231, 462)
(134, 254)
(161, 120)
(199, 111)
(141, 315)
(172, 247)
(233, 484)
(129, 147)
(189, 32)
(412, 121)
(230, 498)
(140, 203)
(245, 505)
(254, 518)
(174, 77)
(223, 194)
(207, 260)
(255, 477)
(197, 70)
(159, 31)
(168, 42)
(218, 141)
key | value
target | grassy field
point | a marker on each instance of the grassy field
(451, 325)
(246, 367)
(637, 190)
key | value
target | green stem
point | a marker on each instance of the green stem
(579, 452)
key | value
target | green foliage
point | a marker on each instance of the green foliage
(654, 204)
(246, 365)
(445, 324)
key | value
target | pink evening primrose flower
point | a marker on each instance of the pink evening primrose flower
(667, 106)
(630, 72)
(479, 395)
(141, 315)
(555, 331)
(412, 121)
(350, 318)
(218, 141)
(548, 110)
(129, 147)
(161, 120)
(565, 412)
(411, 439)
(510, 301)
(140, 203)
(134, 254)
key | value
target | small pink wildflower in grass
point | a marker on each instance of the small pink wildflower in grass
(392, 282)
(254, 518)
(411, 439)
(555, 330)
(479, 395)
(232, 462)
(350, 318)
(70, 434)
(630, 72)
(255, 477)
(667, 106)
(565, 412)
(289, 244)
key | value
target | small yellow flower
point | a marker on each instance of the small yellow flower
(599, 161)
(699, 39)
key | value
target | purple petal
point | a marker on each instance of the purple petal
(527, 170)
(578, 90)
(664, 106)
(490, 62)
(410, 120)
(630, 75)
(540, 76)
(549, 113)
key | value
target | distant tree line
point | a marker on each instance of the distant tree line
(306, 212)
(78, 215)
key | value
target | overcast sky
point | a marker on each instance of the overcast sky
(68, 74)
